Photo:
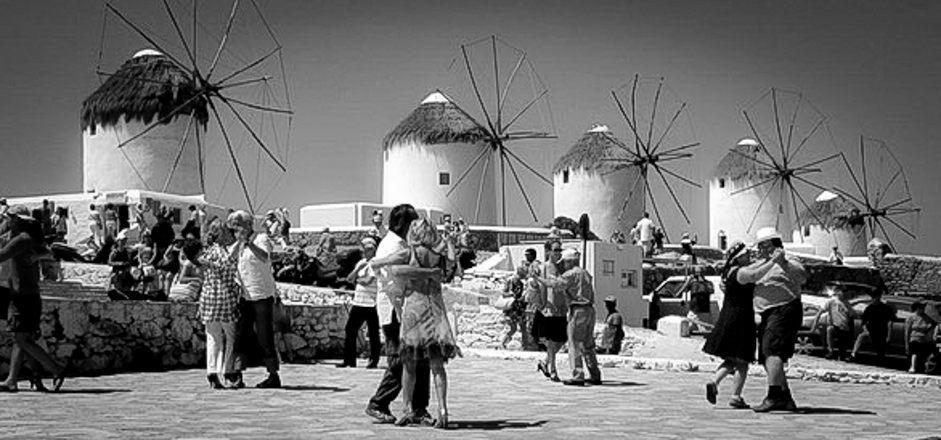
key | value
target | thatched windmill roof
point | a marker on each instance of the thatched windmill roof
(146, 86)
(737, 165)
(438, 120)
(591, 152)
(833, 210)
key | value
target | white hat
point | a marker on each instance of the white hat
(765, 234)
(569, 254)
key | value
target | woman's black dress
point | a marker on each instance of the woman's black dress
(734, 335)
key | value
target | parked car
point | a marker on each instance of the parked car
(859, 295)
(674, 296)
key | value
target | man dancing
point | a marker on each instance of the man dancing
(777, 278)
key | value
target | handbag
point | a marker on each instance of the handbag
(504, 303)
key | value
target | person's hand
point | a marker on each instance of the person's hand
(778, 255)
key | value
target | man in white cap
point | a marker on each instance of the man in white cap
(777, 278)
(576, 285)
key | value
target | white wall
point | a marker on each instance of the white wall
(851, 240)
(601, 196)
(410, 175)
(733, 213)
(354, 214)
(108, 168)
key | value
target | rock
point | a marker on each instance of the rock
(295, 342)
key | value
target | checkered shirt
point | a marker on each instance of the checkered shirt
(220, 295)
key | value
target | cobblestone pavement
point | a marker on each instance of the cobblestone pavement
(490, 398)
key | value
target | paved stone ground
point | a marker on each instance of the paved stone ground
(490, 398)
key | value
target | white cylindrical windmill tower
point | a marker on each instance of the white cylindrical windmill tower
(847, 230)
(737, 212)
(146, 89)
(585, 181)
(426, 154)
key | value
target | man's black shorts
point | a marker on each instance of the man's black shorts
(777, 332)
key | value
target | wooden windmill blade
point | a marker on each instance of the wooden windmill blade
(503, 109)
(793, 148)
(652, 112)
(244, 96)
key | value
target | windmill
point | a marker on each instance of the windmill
(661, 133)
(790, 135)
(880, 189)
(244, 98)
(510, 113)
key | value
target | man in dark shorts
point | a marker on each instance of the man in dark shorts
(777, 278)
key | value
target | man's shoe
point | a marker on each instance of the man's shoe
(372, 365)
(380, 416)
(345, 366)
(780, 404)
(574, 382)
(593, 381)
(711, 392)
(273, 381)
(234, 381)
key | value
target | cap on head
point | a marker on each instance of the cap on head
(569, 254)
(766, 234)
(368, 241)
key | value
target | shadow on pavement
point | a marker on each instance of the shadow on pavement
(822, 410)
(494, 425)
(314, 388)
(91, 391)
(619, 383)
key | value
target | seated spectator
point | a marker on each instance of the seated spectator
(920, 330)
(190, 281)
(148, 280)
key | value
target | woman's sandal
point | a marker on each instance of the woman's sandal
(442, 421)
(409, 418)
(36, 383)
(541, 366)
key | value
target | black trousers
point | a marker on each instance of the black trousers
(391, 383)
(359, 315)
(257, 319)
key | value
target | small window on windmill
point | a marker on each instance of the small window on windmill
(444, 178)
(176, 215)
(807, 231)
(565, 176)
(780, 209)
(722, 182)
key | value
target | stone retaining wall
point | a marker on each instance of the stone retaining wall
(103, 336)
(911, 274)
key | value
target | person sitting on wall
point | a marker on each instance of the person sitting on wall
(836, 258)
(122, 283)
(686, 246)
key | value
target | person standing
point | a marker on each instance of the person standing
(778, 278)
(733, 337)
(253, 252)
(700, 312)
(919, 336)
(835, 257)
(513, 291)
(363, 309)
(554, 328)
(97, 225)
(645, 231)
(877, 326)
(613, 328)
(576, 285)
(111, 220)
(389, 308)
(218, 305)
(25, 308)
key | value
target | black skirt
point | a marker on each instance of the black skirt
(554, 328)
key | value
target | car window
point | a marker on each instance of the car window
(670, 289)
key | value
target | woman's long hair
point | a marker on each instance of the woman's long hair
(730, 261)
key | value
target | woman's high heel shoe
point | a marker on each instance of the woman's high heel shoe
(442, 421)
(36, 383)
(541, 366)
(59, 379)
(214, 382)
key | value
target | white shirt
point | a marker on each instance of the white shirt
(645, 229)
(385, 304)
(256, 275)
(366, 290)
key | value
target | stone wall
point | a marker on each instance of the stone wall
(102, 336)
(487, 240)
(912, 275)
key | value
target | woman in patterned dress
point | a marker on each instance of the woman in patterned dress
(218, 304)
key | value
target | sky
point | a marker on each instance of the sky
(356, 68)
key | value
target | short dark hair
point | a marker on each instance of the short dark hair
(192, 207)
(552, 241)
(777, 242)
(530, 251)
(401, 218)
(191, 248)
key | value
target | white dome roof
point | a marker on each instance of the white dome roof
(146, 52)
(435, 97)
(748, 142)
(826, 196)
(599, 128)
